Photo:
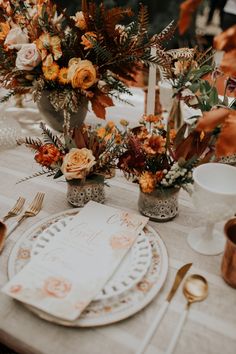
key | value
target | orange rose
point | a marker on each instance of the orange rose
(47, 155)
(81, 73)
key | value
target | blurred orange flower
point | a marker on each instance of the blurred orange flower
(155, 145)
(86, 40)
(147, 182)
(47, 155)
(4, 29)
(63, 76)
(51, 72)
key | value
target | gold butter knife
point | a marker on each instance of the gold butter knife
(178, 278)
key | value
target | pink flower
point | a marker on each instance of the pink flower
(15, 289)
(28, 57)
(57, 287)
(16, 38)
(121, 241)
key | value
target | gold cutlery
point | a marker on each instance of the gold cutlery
(3, 232)
(178, 278)
(33, 209)
(195, 289)
(15, 210)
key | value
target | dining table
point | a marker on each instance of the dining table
(210, 327)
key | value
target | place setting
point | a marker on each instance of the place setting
(65, 253)
(138, 279)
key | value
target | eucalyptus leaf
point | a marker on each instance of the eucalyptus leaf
(213, 97)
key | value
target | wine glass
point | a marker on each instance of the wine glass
(214, 194)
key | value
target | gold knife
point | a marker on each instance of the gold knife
(178, 278)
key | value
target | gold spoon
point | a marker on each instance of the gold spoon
(195, 289)
(3, 234)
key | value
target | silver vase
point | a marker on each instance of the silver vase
(160, 205)
(55, 119)
(78, 194)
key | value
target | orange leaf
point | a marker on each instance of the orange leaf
(228, 64)
(187, 8)
(226, 40)
(211, 119)
(100, 103)
(226, 143)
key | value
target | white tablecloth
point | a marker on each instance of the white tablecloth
(210, 327)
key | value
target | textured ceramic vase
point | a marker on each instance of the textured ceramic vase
(160, 205)
(78, 194)
(55, 119)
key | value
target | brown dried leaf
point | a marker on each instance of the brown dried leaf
(99, 103)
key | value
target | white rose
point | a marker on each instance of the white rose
(28, 57)
(15, 38)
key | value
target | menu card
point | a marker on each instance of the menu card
(68, 273)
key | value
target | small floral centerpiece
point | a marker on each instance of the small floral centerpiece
(72, 60)
(85, 160)
(161, 161)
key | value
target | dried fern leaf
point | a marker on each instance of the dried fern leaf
(166, 34)
(37, 174)
(182, 53)
(50, 138)
(29, 142)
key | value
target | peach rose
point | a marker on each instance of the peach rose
(57, 287)
(28, 57)
(81, 73)
(15, 38)
(77, 163)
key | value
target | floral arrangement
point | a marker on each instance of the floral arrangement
(90, 55)
(160, 158)
(91, 152)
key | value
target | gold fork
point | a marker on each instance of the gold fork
(33, 209)
(16, 209)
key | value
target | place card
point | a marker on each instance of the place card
(68, 273)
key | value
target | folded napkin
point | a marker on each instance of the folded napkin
(64, 278)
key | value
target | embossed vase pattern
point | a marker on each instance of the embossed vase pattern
(160, 205)
(80, 194)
